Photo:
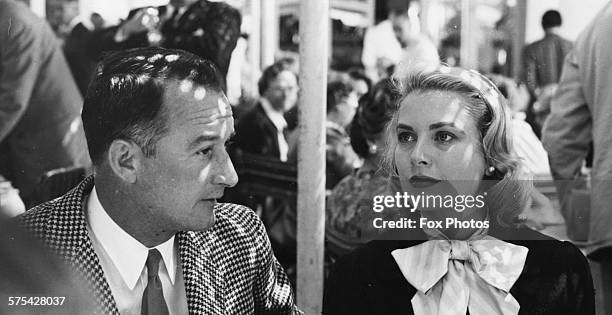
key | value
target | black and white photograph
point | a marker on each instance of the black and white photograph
(306, 157)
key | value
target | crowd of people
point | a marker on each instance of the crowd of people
(141, 106)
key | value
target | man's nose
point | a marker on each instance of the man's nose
(227, 175)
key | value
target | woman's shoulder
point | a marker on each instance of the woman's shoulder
(548, 255)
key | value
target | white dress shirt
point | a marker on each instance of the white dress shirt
(123, 261)
(380, 43)
(280, 123)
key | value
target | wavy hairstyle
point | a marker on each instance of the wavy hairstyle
(507, 190)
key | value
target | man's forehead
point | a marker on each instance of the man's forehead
(198, 103)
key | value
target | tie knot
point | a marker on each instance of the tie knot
(153, 262)
(460, 250)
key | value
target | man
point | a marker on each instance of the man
(396, 41)
(262, 130)
(145, 231)
(205, 28)
(40, 127)
(581, 114)
(82, 66)
(542, 64)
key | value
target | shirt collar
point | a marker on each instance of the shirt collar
(275, 116)
(127, 253)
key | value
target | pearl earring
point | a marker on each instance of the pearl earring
(490, 170)
(373, 149)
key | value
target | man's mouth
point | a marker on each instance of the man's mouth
(421, 181)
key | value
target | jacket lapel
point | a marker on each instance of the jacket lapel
(66, 234)
(204, 282)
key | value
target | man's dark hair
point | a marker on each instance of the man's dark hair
(124, 99)
(271, 72)
(551, 18)
(336, 92)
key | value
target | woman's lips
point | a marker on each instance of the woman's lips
(420, 181)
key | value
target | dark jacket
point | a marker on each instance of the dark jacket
(556, 278)
(256, 134)
(207, 29)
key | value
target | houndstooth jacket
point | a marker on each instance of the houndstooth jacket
(228, 269)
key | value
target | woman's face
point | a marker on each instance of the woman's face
(438, 144)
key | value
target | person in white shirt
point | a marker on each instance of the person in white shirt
(396, 43)
(263, 129)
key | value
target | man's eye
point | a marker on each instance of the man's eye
(445, 137)
(205, 152)
(405, 137)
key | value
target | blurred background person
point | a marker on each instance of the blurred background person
(396, 40)
(263, 129)
(205, 28)
(360, 82)
(542, 64)
(28, 269)
(82, 66)
(580, 115)
(340, 159)
(527, 145)
(10, 203)
(40, 124)
(350, 201)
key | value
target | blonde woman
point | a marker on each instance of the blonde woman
(451, 135)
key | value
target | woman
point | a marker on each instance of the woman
(350, 201)
(451, 135)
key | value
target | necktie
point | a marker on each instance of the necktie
(452, 277)
(153, 302)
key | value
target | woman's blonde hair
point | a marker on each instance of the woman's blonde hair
(507, 188)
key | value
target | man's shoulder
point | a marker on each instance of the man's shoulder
(15, 9)
(35, 220)
(237, 220)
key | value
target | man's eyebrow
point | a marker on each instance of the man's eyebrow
(201, 139)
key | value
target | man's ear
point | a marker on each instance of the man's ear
(124, 158)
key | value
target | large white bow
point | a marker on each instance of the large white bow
(453, 276)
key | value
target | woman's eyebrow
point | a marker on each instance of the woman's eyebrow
(404, 126)
(446, 124)
(441, 124)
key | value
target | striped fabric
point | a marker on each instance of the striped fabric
(452, 277)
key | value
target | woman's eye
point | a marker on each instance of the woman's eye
(445, 137)
(405, 137)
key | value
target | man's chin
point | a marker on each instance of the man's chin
(204, 216)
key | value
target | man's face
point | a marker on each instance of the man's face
(282, 91)
(191, 168)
